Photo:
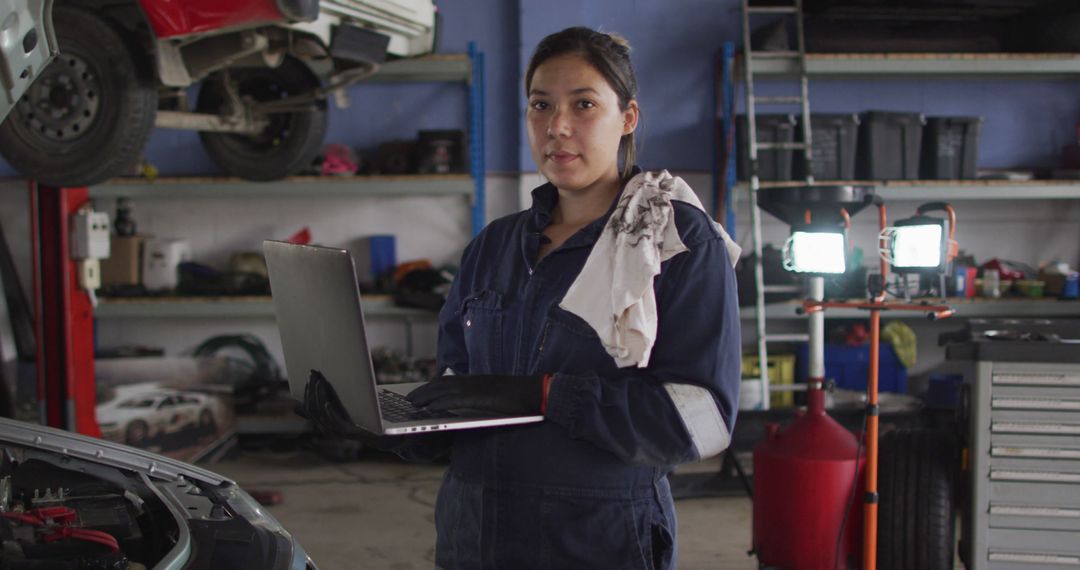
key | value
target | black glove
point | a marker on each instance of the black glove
(512, 395)
(323, 408)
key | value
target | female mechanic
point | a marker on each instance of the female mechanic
(610, 307)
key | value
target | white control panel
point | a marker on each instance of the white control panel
(89, 235)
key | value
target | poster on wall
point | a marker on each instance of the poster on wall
(178, 407)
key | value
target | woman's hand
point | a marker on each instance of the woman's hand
(323, 408)
(511, 395)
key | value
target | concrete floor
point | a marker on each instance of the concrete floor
(378, 512)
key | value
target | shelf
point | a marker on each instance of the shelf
(431, 68)
(965, 308)
(296, 187)
(921, 190)
(381, 307)
(945, 65)
(375, 307)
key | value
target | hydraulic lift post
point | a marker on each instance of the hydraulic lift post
(64, 317)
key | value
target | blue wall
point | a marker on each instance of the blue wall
(674, 43)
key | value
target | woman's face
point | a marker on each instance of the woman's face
(575, 123)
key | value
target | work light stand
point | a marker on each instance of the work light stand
(815, 307)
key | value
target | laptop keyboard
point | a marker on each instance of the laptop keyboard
(395, 408)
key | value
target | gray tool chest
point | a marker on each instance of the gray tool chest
(1024, 438)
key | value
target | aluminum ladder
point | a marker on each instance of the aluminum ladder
(798, 59)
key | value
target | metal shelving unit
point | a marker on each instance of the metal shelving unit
(294, 187)
(966, 308)
(467, 69)
(942, 65)
(375, 307)
(923, 190)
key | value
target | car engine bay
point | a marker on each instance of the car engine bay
(60, 513)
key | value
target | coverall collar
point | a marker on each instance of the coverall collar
(546, 197)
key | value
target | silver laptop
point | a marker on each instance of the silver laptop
(317, 303)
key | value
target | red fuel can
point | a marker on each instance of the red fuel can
(803, 480)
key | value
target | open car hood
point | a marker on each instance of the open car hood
(102, 451)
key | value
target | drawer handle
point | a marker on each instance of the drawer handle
(1035, 476)
(1034, 512)
(1036, 380)
(1034, 558)
(1034, 404)
(1035, 452)
(1022, 427)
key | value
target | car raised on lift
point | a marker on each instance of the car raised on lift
(265, 69)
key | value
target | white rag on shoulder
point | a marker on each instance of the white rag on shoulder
(614, 291)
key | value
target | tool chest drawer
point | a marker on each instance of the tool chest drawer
(1034, 458)
(1028, 516)
(1044, 377)
(1055, 416)
(1003, 560)
(1034, 541)
(1001, 390)
(1032, 488)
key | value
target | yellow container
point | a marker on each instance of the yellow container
(781, 371)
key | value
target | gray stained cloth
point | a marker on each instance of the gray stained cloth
(614, 291)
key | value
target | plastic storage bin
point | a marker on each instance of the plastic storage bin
(835, 139)
(889, 145)
(773, 164)
(781, 371)
(849, 366)
(950, 147)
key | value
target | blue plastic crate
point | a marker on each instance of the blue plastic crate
(849, 366)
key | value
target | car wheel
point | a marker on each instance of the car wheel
(291, 139)
(917, 517)
(87, 116)
(207, 425)
(136, 433)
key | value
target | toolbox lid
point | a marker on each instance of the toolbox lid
(1014, 340)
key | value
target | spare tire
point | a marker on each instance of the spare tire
(86, 118)
(916, 515)
(291, 139)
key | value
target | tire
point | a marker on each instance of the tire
(136, 433)
(86, 118)
(916, 515)
(291, 140)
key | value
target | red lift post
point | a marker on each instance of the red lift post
(64, 318)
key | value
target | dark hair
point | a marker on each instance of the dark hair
(609, 54)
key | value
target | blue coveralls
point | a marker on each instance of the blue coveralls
(587, 487)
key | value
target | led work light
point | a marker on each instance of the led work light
(819, 250)
(920, 243)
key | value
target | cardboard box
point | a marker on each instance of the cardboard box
(123, 265)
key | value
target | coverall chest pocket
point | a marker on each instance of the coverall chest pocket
(569, 344)
(482, 317)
